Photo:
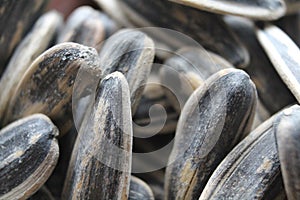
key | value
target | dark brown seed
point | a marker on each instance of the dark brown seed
(47, 85)
(28, 154)
(35, 42)
(100, 166)
(207, 29)
(255, 9)
(87, 26)
(130, 52)
(16, 17)
(284, 54)
(287, 132)
(251, 170)
(139, 190)
(214, 119)
(261, 70)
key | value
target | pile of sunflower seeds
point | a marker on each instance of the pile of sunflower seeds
(150, 99)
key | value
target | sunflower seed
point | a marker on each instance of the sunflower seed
(293, 6)
(28, 154)
(284, 54)
(288, 139)
(35, 42)
(251, 170)
(47, 85)
(101, 160)
(42, 194)
(215, 118)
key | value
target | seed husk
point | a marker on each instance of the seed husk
(88, 27)
(207, 29)
(28, 154)
(47, 85)
(130, 52)
(139, 190)
(251, 170)
(284, 54)
(255, 9)
(35, 42)
(287, 133)
(214, 119)
(261, 70)
(16, 17)
(100, 166)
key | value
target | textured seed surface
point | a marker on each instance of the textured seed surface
(35, 42)
(250, 171)
(28, 154)
(287, 130)
(101, 160)
(42, 194)
(139, 190)
(47, 85)
(256, 9)
(215, 118)
(284, 54)
(207, 29)
(130, 52)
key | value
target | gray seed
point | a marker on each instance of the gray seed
(101, 160)
(28, 154)
(42, 194)
(214, 119)
(284, 54)
(47, 85)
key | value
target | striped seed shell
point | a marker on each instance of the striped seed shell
(88, 27)
(16, 18)
(255, 9)
(28, 154)
(251, 170)
(130, 52)
(35, 42)
(206, 28)
(287, 132)
(260, 69)
(214, 119)
(284, 54)
(100, 166)
(47, 85)
(139, 190)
